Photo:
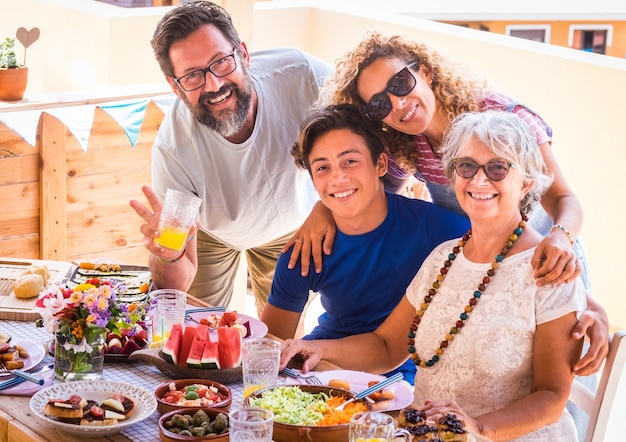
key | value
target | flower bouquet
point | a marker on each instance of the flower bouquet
(80, 320)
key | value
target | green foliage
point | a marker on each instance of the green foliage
(7, 54)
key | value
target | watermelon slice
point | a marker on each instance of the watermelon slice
(229, 347)
(210, 355)
(194, 359)
(171, 351)
(190, 332)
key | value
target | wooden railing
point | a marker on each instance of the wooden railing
(61, 202)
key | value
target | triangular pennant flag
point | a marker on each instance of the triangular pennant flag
(78, 119)
(23, 123)
(129, 116)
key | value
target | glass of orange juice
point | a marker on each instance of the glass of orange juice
(260, 362)
(179, 212)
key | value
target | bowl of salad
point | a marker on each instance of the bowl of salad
(307, 412)
(192, 393)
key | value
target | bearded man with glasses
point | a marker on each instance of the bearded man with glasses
(226, 139)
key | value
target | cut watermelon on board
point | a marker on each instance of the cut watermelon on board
(194, 359)
(190, 332)
(210, 355)
(171, 351)
(229, 347)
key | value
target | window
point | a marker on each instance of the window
(540, 33)
(591, 38)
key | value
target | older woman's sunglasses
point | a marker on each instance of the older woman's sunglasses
(495, 170)
(399, 85)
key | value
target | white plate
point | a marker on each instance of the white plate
(145, 404)
(258, 329)
(36, 352)
(358, 382)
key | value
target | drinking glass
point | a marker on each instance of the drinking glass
(251, 425)
(375, 427)
(179, 212)
(261, 359)
(168, 308)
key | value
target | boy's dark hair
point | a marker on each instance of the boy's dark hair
(182, 21)
(340, 116)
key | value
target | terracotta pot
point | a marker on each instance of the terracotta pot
(13, 83)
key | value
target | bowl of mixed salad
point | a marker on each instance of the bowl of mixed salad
(307, 412)
(192, 393)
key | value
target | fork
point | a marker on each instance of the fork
(21, 374)
(311, 380)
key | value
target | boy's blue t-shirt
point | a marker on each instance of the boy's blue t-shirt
(366, 276)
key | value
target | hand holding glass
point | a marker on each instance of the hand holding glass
(179, 212)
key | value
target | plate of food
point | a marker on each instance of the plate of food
(20, 354)
(135, 279)
(253, 327)
(93, 408)
(394, 397)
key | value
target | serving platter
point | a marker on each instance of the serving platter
(154, 356)
(133, 277)
(145, 404)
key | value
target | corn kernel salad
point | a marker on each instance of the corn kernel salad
(293, 406)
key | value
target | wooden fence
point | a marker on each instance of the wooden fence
(60, 202)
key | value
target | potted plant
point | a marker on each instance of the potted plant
(14, 76)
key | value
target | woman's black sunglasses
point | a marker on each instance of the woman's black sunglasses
(399, 85)
(495, 170)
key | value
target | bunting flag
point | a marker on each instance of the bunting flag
(79, 119)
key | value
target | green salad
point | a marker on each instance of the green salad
(291, 405)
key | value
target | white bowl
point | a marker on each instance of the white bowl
(145, 404)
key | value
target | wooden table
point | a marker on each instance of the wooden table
(18, 424)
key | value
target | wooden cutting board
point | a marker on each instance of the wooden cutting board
(16, 309)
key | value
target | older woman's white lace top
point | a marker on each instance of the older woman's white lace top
(489, 363)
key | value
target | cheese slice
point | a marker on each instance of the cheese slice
(114, 403)
(108, 414)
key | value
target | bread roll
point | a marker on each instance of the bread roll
(40, 270)
(28, 285)
(339, 383)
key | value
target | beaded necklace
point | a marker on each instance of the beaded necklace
(471, 303)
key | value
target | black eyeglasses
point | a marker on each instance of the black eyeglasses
(399, 85)
(495, 170)
(219, 68)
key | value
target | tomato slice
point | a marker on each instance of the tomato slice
(97, 412)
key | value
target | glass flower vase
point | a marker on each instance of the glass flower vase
(78, 361)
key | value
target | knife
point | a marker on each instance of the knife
(18, 380)
(28, 376)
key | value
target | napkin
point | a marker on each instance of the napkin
(28, 388)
